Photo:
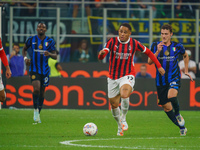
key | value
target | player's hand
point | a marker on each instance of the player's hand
(102, 52)
(28, 62)
(160, 46)
(46, 53)
(161, 71)
(187, 74)
(8, 73)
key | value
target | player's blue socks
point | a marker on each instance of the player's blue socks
(175, 104)
(41, 100)
(35, 101)
(172, 117)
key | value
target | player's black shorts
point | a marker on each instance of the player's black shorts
(44, 79)
(163, 92)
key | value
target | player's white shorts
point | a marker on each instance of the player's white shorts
(1, 84)
(115, 85)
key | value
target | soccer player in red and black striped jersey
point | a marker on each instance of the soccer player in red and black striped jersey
(8, 72)
(168, 85)
(122, 72)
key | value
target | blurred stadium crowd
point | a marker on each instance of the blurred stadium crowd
(79, 45)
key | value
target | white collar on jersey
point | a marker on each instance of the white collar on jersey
(123, 42)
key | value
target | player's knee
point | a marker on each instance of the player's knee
(3, 98)
(167, 108)
(124, 95)
(114, 105)
(36, 91)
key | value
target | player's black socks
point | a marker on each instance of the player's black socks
(175, 104)
(35, 101)
(172, 117)
(41, 100)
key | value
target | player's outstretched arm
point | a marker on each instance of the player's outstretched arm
(4, 60)
(155, 60)
(8, 72)
(186, 61)
(53, 54)
(161, 70)
(159, 48)
(102, 54)
(24, 53)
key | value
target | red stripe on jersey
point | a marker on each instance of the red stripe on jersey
(3, 55)
(121, 57)
(112, 57)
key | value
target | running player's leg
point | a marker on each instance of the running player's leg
(35, 78)
(41, 99)
(126, 87)
(124, 110)
(2, 91)
(172, 96)
(114, 99)
(170, 113)
(2, 95)
(116, 112)
(125, 92)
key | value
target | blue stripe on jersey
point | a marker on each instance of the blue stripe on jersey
(168, 58)
(39, 62)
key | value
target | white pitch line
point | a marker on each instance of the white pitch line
(71, 143)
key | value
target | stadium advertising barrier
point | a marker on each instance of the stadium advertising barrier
(96, 70)
(91, 93)
(180, 27)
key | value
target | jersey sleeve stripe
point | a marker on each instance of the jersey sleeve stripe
(1, 48)
(106, 49)
(144, 49)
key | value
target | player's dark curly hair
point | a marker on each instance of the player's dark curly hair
(167, 27)
(126, 25)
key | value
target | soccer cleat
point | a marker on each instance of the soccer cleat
(120, 132)
(39, 121)
(183, 132)
(36, 116)
(124, 126)
(180, 120)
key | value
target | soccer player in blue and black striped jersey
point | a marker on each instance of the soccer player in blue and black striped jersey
(41, 49)
(168, 85)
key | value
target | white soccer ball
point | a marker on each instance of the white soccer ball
(90, 129)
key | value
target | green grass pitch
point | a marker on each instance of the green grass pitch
(147, 130)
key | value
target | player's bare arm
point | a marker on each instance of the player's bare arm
(24, 53)
(159, 49)
(186, 61)
(8, 72)
(52, 55)
(161, 71)
(155, 60)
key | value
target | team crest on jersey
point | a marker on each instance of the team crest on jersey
(46, 43)
(174, 49)
(40, 46)
(166, 52)
(129, 48)
(33, 77)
